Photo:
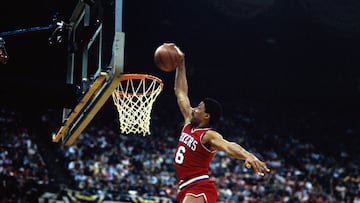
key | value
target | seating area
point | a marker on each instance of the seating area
(122, 166)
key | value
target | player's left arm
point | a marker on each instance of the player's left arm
(215, 141)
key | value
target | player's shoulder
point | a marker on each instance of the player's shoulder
(215, 132)
(212, 134)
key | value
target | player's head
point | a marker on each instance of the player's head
(213, 108)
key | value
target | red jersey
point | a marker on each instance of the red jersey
(192, 158)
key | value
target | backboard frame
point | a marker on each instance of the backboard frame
(75, 120)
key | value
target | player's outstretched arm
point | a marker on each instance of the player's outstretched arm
(234, 150)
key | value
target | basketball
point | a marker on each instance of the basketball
(167, 57)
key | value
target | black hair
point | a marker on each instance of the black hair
(213, 108)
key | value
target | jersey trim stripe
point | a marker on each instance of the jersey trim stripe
(192, 180)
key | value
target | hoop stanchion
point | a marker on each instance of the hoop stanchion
(134, 98)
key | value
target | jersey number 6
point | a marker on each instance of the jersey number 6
(179, 156)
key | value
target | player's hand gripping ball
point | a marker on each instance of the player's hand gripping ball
(167, 57)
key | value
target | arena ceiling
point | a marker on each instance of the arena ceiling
(301, 49)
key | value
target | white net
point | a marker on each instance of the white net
(134, 98)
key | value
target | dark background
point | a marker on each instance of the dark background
(273, 52)
(298, 49)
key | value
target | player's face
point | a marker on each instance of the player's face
(198, 114)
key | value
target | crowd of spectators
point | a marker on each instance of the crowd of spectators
(104, 161)
(23, 171)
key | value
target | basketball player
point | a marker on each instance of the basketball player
(198, 143)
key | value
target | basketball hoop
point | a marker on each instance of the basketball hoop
(134, 98)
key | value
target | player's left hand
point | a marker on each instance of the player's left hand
(259, 166)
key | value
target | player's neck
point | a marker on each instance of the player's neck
(200, 126)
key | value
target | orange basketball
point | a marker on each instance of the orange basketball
(166, 57)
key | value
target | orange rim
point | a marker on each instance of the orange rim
(138, 76)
